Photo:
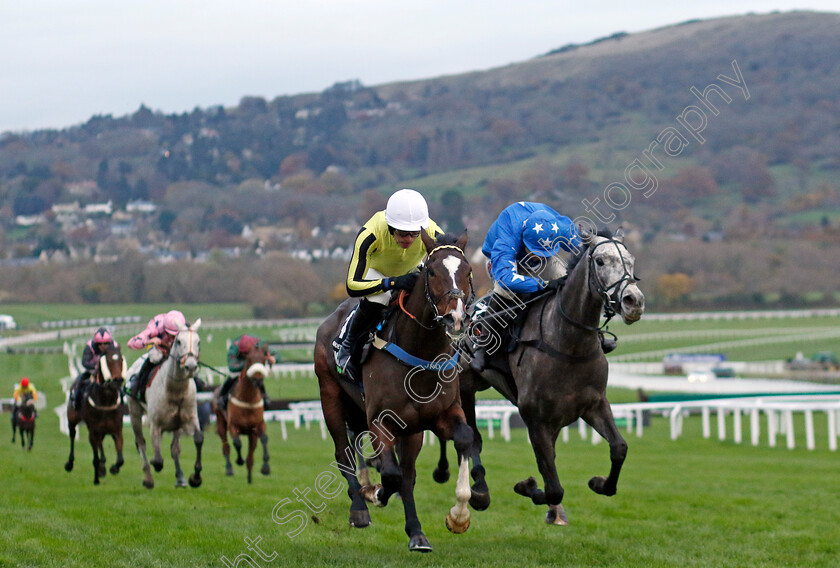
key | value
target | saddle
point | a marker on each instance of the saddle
(342, 333)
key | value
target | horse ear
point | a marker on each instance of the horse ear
(196, 325)
(461, 243)
(619, 235)
(428, 240)
(586, 236)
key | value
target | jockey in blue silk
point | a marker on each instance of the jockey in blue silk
(525, 245)
(521, 231)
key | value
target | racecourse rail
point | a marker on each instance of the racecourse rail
(778, 411)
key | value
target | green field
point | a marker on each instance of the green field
(689, 502)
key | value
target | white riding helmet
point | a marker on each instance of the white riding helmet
(407, 211)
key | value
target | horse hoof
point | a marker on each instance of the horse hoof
(456, 527)
(68, 466)
(157, 465)
(195, 481)
(102, 472)
(440, 475)
(526, 487)
(419, 543)
(96, 481)
(371, 494)
(229, 470)
(556, 515)
(240, 461)
(360, 519)
(479, 501)
(598, 485)
(148, 484)
(115, 469)
(265, 470)
(180, 483)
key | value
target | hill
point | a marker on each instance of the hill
(714, 141)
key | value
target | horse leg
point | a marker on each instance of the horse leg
(198, 440)
(345, 459)
(175, 452)
(265, 470)
(221, 430)
(140, 443)
(237, 444)
(118, 445)
(252, 446)
(601, 419)
(543, 442)
(94, 444)
(31, 437)
(71, 427)
(441, 472)
(458, 520)
(409, 448)
(480, 492)
(157, 437)
(390, 472)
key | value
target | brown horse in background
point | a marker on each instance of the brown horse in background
(244, 413)
(24, 421)
(401, 399)
(102, 410)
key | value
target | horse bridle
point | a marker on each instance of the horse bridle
(611, 295)
(183, 359)
(452, 294)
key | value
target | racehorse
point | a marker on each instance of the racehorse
(24, 421)
(101, 409)
(403, 399)
(171, 407)
(244, 413)
(557, 369)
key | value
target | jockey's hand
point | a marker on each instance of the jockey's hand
(404, 282)
(555, 284)
(155, 341)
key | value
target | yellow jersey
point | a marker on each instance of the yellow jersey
(376, 248)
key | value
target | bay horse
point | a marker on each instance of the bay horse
(403, 399)
(171, 407)
(24, 421)
(244, 412)
(101, 410)
(558, 371)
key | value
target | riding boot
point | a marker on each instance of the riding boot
(225, 391)
(140, 380)
(367, 315)
(78, 392)
(491, 317)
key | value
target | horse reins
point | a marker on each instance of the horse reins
(430, 299)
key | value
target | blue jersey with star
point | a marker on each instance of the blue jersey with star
(505, 248)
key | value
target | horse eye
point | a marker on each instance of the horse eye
(599, 261)
(431, 273)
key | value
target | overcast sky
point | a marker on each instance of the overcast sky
(62, 61)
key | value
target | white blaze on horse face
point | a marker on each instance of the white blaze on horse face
(452, 264)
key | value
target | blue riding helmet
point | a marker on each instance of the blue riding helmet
(541, 233)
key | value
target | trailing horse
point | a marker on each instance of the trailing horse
(101, 409)
(171, 407)
(24, 421)
(556, 371)
(244, 413)
(404, 394)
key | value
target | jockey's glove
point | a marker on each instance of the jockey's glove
(555, 284)
(404, 282)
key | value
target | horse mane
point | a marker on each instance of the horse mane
(573, 262)
(446, 239)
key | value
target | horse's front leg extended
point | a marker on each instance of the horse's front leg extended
(95, 444)
(601, 419)
(480, 498)
(249, 460)
(237, 443)
(71, 427)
